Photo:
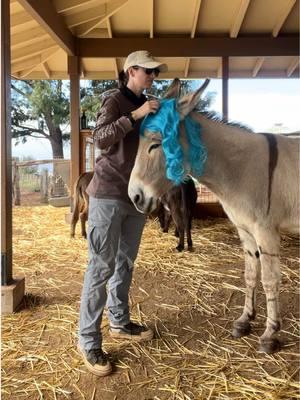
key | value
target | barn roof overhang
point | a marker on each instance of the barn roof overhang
(261, 37)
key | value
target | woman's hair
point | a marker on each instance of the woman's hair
(123, 79)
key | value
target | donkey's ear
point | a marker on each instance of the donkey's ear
(173, 90)
(187, 103)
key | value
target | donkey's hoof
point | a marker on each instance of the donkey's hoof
(191, 248)
(241, 329)
(179, 247)
(269, 346)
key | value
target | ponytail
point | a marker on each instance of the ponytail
(123, 79)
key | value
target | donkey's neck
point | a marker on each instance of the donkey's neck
(227, 147)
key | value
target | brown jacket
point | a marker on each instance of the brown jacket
(118, 142)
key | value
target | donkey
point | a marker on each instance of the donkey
(81, 203)
(255, 176)
(178, 204)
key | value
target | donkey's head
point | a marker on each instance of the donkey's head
(151, 177)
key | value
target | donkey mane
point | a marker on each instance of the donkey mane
(214, 116)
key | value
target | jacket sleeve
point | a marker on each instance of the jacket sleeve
(110, 127)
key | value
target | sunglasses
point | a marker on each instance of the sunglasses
(148, 71)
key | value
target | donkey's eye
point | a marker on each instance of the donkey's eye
(153, 146)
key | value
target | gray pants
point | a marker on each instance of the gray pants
(114, 233)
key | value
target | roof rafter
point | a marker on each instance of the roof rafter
(186, 67)
(196, 17)
(151, 14)
(46, 70)
(32, 50)
(259, 46)
(67, 5)
(43, 58)
(27, 37)
(293, 65)
(283, 16)
(258, 64)
(193, 32)
(116, 68)
(104, 11)
(20, 18)
(238, 20)
(45, 14)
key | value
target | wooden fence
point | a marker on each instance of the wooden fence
(54, 183)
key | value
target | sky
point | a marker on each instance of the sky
(259, 103)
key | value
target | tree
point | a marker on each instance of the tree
(40, 109)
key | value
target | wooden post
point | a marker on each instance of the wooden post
(225, 76)
(6, 160)
(12, 290)
(44, 186)
(74, 73)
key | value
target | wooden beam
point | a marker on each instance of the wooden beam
(6, 162)
(43, 58)
(186, 67)
(257, 66)
(63, 6)
(293, 65)
(46, 70)
(238, 20)
(225, 76)
(32, 50)
(74, 73)
(188, 47)
(21, 65)
(20, 18)
(116, 68)
(28, 37)
(219, 70)
(91, 14)
(151, 16)
(45, 14)
(109, 9)
(196, 17)
(289, 4)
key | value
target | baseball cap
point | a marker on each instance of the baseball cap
(143, 58)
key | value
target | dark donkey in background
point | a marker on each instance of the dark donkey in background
(81, 203)
(178, 204)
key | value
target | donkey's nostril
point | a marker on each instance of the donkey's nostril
(136, 198)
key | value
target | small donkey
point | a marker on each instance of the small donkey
(178, 204)
(81, 202)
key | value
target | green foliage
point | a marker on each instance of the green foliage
(39, 110)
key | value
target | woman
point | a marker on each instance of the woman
(115, 227)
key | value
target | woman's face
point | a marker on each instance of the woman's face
(142, 77)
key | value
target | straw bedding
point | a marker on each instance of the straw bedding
(190, 299)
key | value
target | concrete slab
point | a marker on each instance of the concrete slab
(12, 295)
(60, 201)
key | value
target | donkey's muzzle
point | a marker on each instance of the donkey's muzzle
(143, 204)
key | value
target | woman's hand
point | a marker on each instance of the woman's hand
(150, 106)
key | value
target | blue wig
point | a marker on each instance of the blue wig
(166, 121)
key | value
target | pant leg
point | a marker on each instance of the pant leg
(119, 283)
(104, 231)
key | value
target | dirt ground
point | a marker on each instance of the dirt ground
(190, 299)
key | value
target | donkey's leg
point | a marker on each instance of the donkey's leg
(241, 326)
(269, 246)
(178, 221)
(83, 219)
(189, 234)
